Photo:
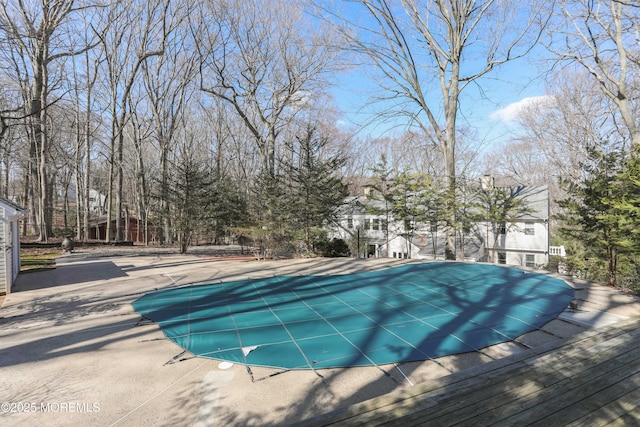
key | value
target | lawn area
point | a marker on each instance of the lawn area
(36, 259)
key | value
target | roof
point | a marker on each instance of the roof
(15, 208)
(536, 197)
(101, 220)
(360, 204)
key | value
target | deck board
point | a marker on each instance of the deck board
(592, 379)
(608, 406)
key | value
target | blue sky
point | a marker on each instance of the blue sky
(487, 107)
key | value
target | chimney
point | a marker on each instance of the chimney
(487, 182)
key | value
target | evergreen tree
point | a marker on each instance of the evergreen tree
(411, 201)
(383, 184)
(627, 200)
(468, 213)
(500, 208)
(191, 197)
(436, 213)
(267, 219)
(228, 209)
(310, 187)
(598, 212)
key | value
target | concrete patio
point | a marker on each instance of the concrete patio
(73, 351)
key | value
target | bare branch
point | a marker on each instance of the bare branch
(602, 38)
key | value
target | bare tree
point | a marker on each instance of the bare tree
(137, 31)
(265, 61)
(140, 134)
(35, 29)
(84, 74)
(63, 144)
(601, 36)
(427, 52)
(11, 112)
(168, 82)
(561, 126)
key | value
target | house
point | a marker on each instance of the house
(526, 241)
(10, 215)
(522, 241)
(97, 200)
(134, 229)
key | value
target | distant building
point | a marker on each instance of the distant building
(524, 243)
(97, 200)
(133, 230)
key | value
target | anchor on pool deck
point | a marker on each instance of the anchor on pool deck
(67, 245)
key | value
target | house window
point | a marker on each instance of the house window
(375, 224)
(367, 224)
(502, 257)
(349, 222)
(530, 260)
(383, 224)
(394, 254)
(502, 229)
(529, 229)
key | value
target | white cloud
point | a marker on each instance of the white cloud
(513, 110)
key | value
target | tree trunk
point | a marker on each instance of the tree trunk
(7, 164)
(612, 255)
(119, 182)
(450, 93)
(78, 167)
(110, 191)
(165, 236)
(87, 172)
(46, 202)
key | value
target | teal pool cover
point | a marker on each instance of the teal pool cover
(407, 313)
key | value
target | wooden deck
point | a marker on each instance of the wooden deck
(590, 380)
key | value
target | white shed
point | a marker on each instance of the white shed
(10, 215)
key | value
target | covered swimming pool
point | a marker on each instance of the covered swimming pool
(412, 312)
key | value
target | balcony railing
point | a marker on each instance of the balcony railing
(557, 251)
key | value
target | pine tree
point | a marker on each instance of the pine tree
(598, 212)
(627, 200)
(500, 208)
(411, 197)
(383, 184)
(468, 213)
(191, 197)
(309, 186)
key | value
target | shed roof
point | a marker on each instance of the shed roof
(14, 208)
